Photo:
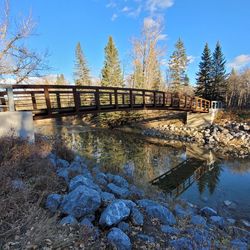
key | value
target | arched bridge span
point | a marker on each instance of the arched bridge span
(50, 101)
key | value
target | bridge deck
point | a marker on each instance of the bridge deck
(48, 101)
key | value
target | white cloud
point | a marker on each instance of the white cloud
(136, 12)
(149, 22)
(126, 9)
(191, 59)
(240, 61)
(114, 16)
(158, 5)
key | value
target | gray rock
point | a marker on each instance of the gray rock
(169, 230)
(136, 192)
(227, 203)
(107, 198)
(130, 204)
(217, 220)
(198, 220)
(137, 217)
(62, 163)
(158, 211)
(180, 212)
(238, 244)
(245, 223)
(90, 217)
(53, 202)
(18, 184)
(87, 223)
(82, 180)
(101, 179)
(118, 239)
(120, 181)
(114, 213)
(208, 211)
(68, 220)
(124, 227)
(231, 221)
(146, 238)
(81, 201)
(64, 173)
(182, 243)
(110, 177)
(118, 191)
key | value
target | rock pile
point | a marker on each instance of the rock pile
(121, 213)
(232, 138)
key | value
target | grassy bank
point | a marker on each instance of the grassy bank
(26, 178)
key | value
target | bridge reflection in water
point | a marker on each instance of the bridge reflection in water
(178, 179)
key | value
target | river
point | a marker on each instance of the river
(222, 184)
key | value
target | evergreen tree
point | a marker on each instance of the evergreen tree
(178, 65)
(82, 72)
(204, 76)
(218, 87)
(111, 72)
(60, 80)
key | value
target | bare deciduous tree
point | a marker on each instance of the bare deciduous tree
(16, 60)
(147, 55)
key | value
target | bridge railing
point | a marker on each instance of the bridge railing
(52, 100)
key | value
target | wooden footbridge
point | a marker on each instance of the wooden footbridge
(50, 101)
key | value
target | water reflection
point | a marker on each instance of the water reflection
(144, 159)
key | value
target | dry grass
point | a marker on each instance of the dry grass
(26, 178)
(233, 115)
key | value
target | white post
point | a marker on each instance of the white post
(11, 102)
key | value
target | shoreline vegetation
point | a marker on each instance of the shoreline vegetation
(52, 198)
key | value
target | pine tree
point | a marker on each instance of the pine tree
(82, 72)
(177, 65)
(60, 80)
(218, 88)
(111, 72)
(204, 76)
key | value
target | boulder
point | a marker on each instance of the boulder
(246, 223)
(217, 220)
(118, 191)
(155, 210)
(68, 220)
(87, 223)
(137, 217)
(145, 238)
(82, 180)
(101, 179)
(180, 212)
(107, 198)
(114, 213)
(62, 163)
(53, 202)
(182, 243)
(81, 201)
(198, 220)
(136, 192)
(208, 211)
(124, 227)
(239, 244)
(169, 230)
(120, 181)
(64, 173)
(118, 239)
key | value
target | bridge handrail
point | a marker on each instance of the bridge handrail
(114, 97)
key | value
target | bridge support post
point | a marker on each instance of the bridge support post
(11, 103)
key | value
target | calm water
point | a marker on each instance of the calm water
(144, 159)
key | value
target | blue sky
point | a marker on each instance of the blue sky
(61, 24)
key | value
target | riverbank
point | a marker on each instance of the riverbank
(100, 208)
